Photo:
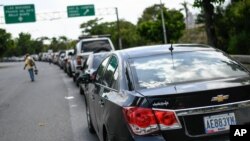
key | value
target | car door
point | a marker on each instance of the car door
(106, 90)
(94, 90)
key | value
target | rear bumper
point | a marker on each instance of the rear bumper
(137, 138)
(193, 127)
(177, 136)
(182, 135)
(149, 138)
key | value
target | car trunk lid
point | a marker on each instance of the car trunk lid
(199, 94)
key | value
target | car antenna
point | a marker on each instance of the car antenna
(171, 49)
(172, 56)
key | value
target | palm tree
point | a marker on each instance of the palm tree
(185, 7)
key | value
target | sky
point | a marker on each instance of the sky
(45, 25)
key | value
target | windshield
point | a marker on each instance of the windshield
(161, 70)
(98, 58)
(95, 45)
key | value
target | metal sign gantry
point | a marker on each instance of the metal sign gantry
(58, 15)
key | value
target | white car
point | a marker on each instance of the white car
(87, 46)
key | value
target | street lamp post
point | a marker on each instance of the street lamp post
(1, 17)
(118, 29)
(163, 24)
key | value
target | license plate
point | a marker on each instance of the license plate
(217, 123)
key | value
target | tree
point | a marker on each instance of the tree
(54, 44)
(37, 46)
(150, 14)
(130, 36)
(208, 8)
(24, 44)
(150, 25)
(237, 17)
(185, 7)
(88, 26)
(5, 41)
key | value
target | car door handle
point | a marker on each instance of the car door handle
(101, 102)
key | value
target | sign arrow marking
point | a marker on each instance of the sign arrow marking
(86, 12)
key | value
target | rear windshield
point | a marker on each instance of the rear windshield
(162, 70)
(96, 45)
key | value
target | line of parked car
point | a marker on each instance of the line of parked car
(180, 92)
(72, 61)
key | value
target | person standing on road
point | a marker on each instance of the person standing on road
(30, 64)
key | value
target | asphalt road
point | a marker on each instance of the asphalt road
(49, 109)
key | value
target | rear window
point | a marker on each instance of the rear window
(162, 70)
(96, 45)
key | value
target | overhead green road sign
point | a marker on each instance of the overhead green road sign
(80, 10)
(19, 13)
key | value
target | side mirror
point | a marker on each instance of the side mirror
(84, 78)
(70, 54)
(92, 74)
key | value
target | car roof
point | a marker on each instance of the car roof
(69, 50)
(161, 49)
(93, 39)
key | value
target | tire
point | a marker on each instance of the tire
(65, 69)
(106, 136)
(81, 91)
(89, 121)
(70, 72)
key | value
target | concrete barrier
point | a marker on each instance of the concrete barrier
(245, 59)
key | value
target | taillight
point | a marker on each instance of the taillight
(167, 120)
(78, 60)
(141, 120)
(144, 121)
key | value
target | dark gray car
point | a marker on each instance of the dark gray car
(90, 66)
(167, 93)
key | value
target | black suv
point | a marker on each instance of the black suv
(168, 93)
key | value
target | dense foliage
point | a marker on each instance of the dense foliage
(25, 44)
(129, 35)
(147, 31)
(230, 25)
(5, 41)
(150, 25)
(233, 27)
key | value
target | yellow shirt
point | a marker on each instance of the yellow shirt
(28, 62)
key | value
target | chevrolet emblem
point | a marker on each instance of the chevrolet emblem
(220, 98)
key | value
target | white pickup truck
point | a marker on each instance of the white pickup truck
(86, 46)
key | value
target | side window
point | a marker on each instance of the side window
(111, 74)
(86, 64)
(74, 51)
(101, 69)
(128, 80)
